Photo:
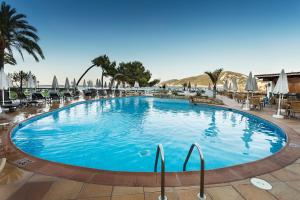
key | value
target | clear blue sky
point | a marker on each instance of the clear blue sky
(172, 38)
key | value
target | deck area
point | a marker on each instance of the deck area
(18, 184)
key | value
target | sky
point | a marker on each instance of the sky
(173, 39)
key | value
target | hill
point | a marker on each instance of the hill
(203, 80)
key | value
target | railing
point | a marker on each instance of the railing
(201, 195)
(160, 150)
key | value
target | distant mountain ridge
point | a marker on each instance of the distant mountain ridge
(203, 80)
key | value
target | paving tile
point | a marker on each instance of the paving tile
(157, 189)
(286, 175)
(41, 178)
(129, 197)
(294, 184)
(63, 189)
(94, 190)
(298, 161)
(283, 192)
(224, 193)
(155, 195)
(96, 198)
(251, 192)
(31, 191)
(119, 190)
(190, 194)
(295, 168)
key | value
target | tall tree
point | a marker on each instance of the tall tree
(20, 78)
(214, 77)
(100, 61)
(16, 33)
(135, 71)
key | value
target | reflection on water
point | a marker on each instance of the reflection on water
(122, 134)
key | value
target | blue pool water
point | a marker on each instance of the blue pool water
(122, 134)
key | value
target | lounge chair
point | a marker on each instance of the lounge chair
(102, 93)
(54, 96)
(76, 94)
(37, 96)
(8, 103)
(67, 95)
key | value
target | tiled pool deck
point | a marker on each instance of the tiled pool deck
(18, 184)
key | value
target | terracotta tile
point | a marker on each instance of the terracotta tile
(119, 190)
(63, 189)
(285, 175)
(129, 197)
(155, 195)
(284, 192)
(93, 190)
(251, 192)
(31, 191)
(224, 193)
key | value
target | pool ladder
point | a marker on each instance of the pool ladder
(160, 151)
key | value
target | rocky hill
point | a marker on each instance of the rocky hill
(203, 80)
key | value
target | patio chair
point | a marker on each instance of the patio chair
(256, 103)
(294, 108)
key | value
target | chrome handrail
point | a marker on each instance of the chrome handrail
(160, 150)
(201, 194)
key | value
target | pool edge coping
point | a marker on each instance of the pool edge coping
(280, 159)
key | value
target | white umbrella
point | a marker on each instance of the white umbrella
(234, 85)
(54, 83)
(254, 82)
(248, 88)
(136, 84)
(84, 84)
(281, 88)
(9, 83)
(99, 83)
(74, 84)
(225, 86)
(3, 83)
(90, 83)
(230, 87)
(67, 84)
(30, 81)
(209, 86)
(105, 85)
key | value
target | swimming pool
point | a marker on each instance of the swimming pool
(121, 134)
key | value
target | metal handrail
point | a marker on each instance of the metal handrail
(160, 150)
(201, 194)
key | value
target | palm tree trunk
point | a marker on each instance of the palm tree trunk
(84, 74)
(102, 84)
(1, 58)
(215, 91)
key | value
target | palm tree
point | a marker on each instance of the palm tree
(214, 77)
(101, 61)
(16, 33)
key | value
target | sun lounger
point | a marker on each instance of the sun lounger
(54, 96)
